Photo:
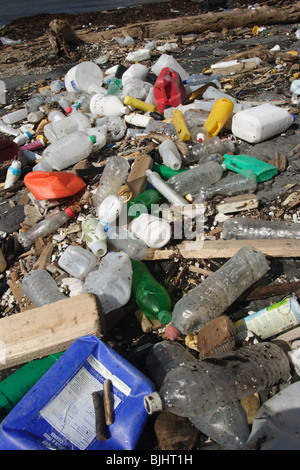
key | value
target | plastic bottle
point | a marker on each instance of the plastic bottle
(203, 174)
(263, 171)
(166, 172)
(217, 292)
(36, 144)
(56, 115)
(22, 138)
(209, 146)
(35, 116)
(16, 385)
(261, 122)
(139, 90)
(47, 226)
(254, 229)
(94, 235)
(13, 174)
(107, 105)
(9, 130)
(138, 120)
(295, 87)
(200, 79)
(116, 127)
(82, 103)
(113, 176)
(143, 202)
(68, 150)
(15, 116)
(123, 240)
(139, 104)
(170, 154)
(230, 185)
(139, 71)
(166, 190)
(222, 379)
(220, 113)
(40, 288)
(77, 261)
(198, 133)
(77, 121)
(155, 232)
(181, 128)
(109, 210)
(138, 55)
(151, 297)
(227, 425)
(34, 103)
(111, 282)
(198, 93)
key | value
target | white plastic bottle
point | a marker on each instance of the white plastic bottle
(111, 282)
(69, 150)
(13, 174)
(21, 139)
(94, 236)
(170, 154)
(77, 261)
(107, 105)
(114, 175)
(15, 116)
(109, 210)
(155, 232)
(56, 130)
(261, 122)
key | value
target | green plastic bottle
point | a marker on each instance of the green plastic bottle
(16, 385)
(166, 172)
(151, 297)
(263, 171)
(143, 202)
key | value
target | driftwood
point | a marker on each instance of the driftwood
(62, 38)
(212, 21)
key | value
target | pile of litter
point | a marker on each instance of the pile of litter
(126, 205)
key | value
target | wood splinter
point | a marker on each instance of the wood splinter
(108, 402)
(101, 429)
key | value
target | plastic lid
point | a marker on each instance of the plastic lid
(171, 332)
(164, 317)
(152, 403)
(69, 212)
(93, 139)
(99, 248)
(69, 109)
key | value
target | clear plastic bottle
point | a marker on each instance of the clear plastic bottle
(230, 185)
(77, 121)
(40, 288)
(15, 116)
(123, 240)
(200, 79)
(170, 154)
(204, 174)
(222, 379)
(151, 296)
(77, 261)
(172, 196)
(82, 103)
(227, 425)
(209, 146)
(113, 176)
(242, 228)
(46, 226)
(111, 282)
(211, 298)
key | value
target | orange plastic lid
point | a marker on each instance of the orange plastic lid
(53, 185)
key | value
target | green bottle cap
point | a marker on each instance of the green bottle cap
(93, 139)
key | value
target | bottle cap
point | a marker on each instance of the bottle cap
(93, 139)
(171, 332)
(152, 403)
(69, 212)
(164, 317)
(69, 109)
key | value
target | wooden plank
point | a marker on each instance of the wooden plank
(49, 329)
(137, 180)
(282, 248)
(238, 203)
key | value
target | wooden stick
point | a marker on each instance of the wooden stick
(108, 402)
(101, 429)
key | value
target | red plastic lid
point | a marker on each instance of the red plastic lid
(68, 110)
(69, 212)
(171, 332)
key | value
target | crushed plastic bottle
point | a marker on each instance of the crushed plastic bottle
(242, 228)
(209, 146)
(40, 288)
(205, 173)
(114, 175)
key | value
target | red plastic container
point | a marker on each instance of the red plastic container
(168, 89)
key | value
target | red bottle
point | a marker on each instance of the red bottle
(168, 89)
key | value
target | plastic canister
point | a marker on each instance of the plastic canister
(167, 60)
(271, 320)
(155, 232)
(77, 121)
(221, 111)
(77, 261)
(80, 77)
(107, 105)
(135, 70)
(261, 122)
(58, 414)
(168, 89)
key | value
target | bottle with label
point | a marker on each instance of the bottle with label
(113, 176)
(227, 425)
(22, 138)
(242, 228)
(203, 174)
(124, 240)
(77, 261)
(151, 297)
(222, 379)
(13, 174)
(208, 147)
(40, 288)
(82, 103)
(94, 236)
(47, 226)
(211, 298)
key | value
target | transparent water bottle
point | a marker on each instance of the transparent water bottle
(77, 261)
(203, 174)
(123, 240)
(190, 390)
(211, 298)
(247, 229)
(46, 226)
(227, 425)
(114, 175)
(40, 288)
(207, 147)
(230, 185)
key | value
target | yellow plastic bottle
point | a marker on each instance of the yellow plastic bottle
(139, 104)
(180, 125)
(221, 111)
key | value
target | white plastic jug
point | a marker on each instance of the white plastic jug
(109, 209)
(82, 76)
(261, 122)
(58, 129)
(77, 261)
(107, 105)
(166, 60)
(112, 281)
(155, 232)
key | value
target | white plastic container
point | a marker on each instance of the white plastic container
(80, 77)
(261, 122)
(111, 282)
(295, 87)
(155, 232)
(94, 235)
(56, 115)
(164, 189)
(77, 121)
(9, 130)
(77, 261)
(68, 151)
(107, 105)
(21, 139)
(13, 174)
(170, 154)
(138, 120)
(139, 55)
(135, 71)
(100, 134)
(15, 116)
(166, 60)
(109, 209)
